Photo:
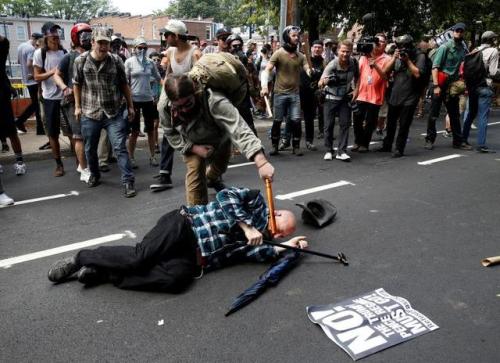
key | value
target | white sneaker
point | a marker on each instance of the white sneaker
(79, 169)
(310, 146)
(343, 157)
(20, 168)
(5, 200)
(328, 156)
(85, 175)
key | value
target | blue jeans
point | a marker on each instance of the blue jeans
(287, 105)
(479, 105)
(117, 129)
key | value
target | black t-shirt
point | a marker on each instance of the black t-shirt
(67, 74)
(406, 88)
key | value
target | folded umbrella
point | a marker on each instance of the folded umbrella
(269, 278)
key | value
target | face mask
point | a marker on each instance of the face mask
(85, 40)
(140, 53)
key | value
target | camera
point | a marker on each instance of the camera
(366, 44)
(404, 44)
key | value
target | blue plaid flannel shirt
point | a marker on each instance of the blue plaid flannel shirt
(214, 222)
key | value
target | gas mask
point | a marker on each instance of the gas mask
(85, 39)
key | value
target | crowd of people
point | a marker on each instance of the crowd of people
(96, 92)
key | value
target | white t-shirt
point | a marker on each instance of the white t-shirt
(50, 91)
(24, 53)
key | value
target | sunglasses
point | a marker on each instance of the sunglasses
(459, 30)
(142, 48)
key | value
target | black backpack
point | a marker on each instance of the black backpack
(474, 70)
(424, 79)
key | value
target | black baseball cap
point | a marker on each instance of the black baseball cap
(459, 26)
(49, 27)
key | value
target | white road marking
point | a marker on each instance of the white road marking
(444, 158)
(313, 190)
(442, 131)
(56, 196)
(74, 246)
(238, 165)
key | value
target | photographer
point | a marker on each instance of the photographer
(337, 79)
(373, 68)
(408, 65)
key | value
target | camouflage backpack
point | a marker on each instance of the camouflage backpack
(222, 72)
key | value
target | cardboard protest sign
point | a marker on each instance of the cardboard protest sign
(371, 322)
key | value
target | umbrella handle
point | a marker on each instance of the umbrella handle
(340, 256)
(270, 204)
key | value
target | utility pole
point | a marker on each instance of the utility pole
(283, 13)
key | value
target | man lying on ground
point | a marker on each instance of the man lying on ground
(184, 243)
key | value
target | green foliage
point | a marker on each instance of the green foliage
(64, 9)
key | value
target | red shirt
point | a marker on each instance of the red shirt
(372, 87)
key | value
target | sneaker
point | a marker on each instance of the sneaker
(217, 184)
(397, 154)
(129, 190)
(91, 276)
(283, 145)
(79, 168)
(133, 163)
(297, 152)
(164, 183)
(485, 149)
(5, 200)
(21, 128)
(59, 171)
(153, 161)
(85, 175)
(20, 168)
(463, 146)
(428, 145)
(344, 157)
(473, 127)
(63, 269)
(104, 168)
(310, 146)
(93, 181)
(45, 146)
(362, 149)
(321, 135)
(355, 147)
(447, 133)
(274, 151)
(328, 156)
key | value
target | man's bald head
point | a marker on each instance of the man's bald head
(285, 222)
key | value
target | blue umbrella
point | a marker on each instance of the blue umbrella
(269, 278)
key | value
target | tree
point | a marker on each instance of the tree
(77, 9)
(24, 7)
(191, 9)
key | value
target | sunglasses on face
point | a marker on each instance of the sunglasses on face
(142, 48)
(459, 30)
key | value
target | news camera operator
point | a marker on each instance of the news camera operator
(408, 65)
(373, 67)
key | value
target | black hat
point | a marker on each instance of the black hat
(318, 212)
(49, 27)
(222, 32)
(36, 35)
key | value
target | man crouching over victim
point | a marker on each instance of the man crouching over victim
(202, 124)
(185, 243)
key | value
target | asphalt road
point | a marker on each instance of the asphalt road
(418, 231)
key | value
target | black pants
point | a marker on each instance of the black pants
(32, 108)
(165, 259)
(452, 107)
(403, 114)
(310, 107)
(343, 109)
(367, 114)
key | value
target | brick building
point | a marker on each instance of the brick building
(149, 27)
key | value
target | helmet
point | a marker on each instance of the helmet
(488, 36)
(286, 33)
(405, 40)
(222, 32)
(232, 38)
(75, 31)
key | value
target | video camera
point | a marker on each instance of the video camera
(405, 45)
(366, 44)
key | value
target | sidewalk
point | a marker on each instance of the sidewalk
(30, 142)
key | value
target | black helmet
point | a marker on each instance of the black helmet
(404, 40)
(222, 32)
(286, 33)
(232, 38)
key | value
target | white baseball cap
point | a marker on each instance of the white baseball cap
(176, 27)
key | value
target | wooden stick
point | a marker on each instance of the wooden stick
(270, 204)
(268, 107)
(307, 50)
